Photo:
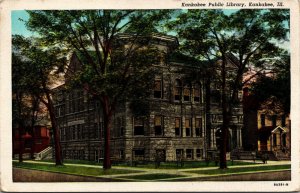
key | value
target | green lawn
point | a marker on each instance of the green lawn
(157, 176)
(163, 165)
(240, 169)
(79, 170)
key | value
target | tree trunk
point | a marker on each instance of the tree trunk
(21, 148)
(56, 135)
(207, 105)
(107, 115)
(224, 128)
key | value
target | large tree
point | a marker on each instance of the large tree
(40, 69)
(249, 38)
(115, 65)
(25, 105)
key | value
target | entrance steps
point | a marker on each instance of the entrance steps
(45, 154)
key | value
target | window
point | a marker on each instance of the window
(187, 92)
(274, 139)
(274, 117)
(61, 134)
(158, 89)
(122, 131)
(177, 90)
(122, 154)
(64, 153)
(101, 153)
(283, 121)
(188, 127)
(139, 154)
(73, 132)
(189, 154)
(81, 155)
(96, 155)
(101, 130)
(63, 130)
(138, 126)
(67, 133)
(78, 131)
(198, 127)
(177, 126)
(215, 96)
(197, 93)
(121, 125)
(199, 153)
(83, 131)
(179, 153)
(96, 131)
(59, 111)
(158, 125)
(262, 119)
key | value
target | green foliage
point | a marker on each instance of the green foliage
(278, 86)
(113, 47)
(246, 40)
(40, 67)
(118, 64)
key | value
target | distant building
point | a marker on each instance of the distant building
(266, 127)
(273, 127)
(30, 141)
(180, 122)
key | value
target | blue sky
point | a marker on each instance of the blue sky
(18, 26)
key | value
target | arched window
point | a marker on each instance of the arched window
(177, 90)
(187, 92)
(197, 93)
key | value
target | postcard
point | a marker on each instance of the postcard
(149, 96)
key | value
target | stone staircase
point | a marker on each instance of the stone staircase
(45, 154)
(250, 155)
(282, 156)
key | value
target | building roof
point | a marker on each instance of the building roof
(266, 131)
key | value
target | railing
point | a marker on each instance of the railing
(44, 153)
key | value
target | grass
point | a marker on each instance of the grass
(241, 170)
(67, 169)
(163, 165)
(157, 176)
(187, 165)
